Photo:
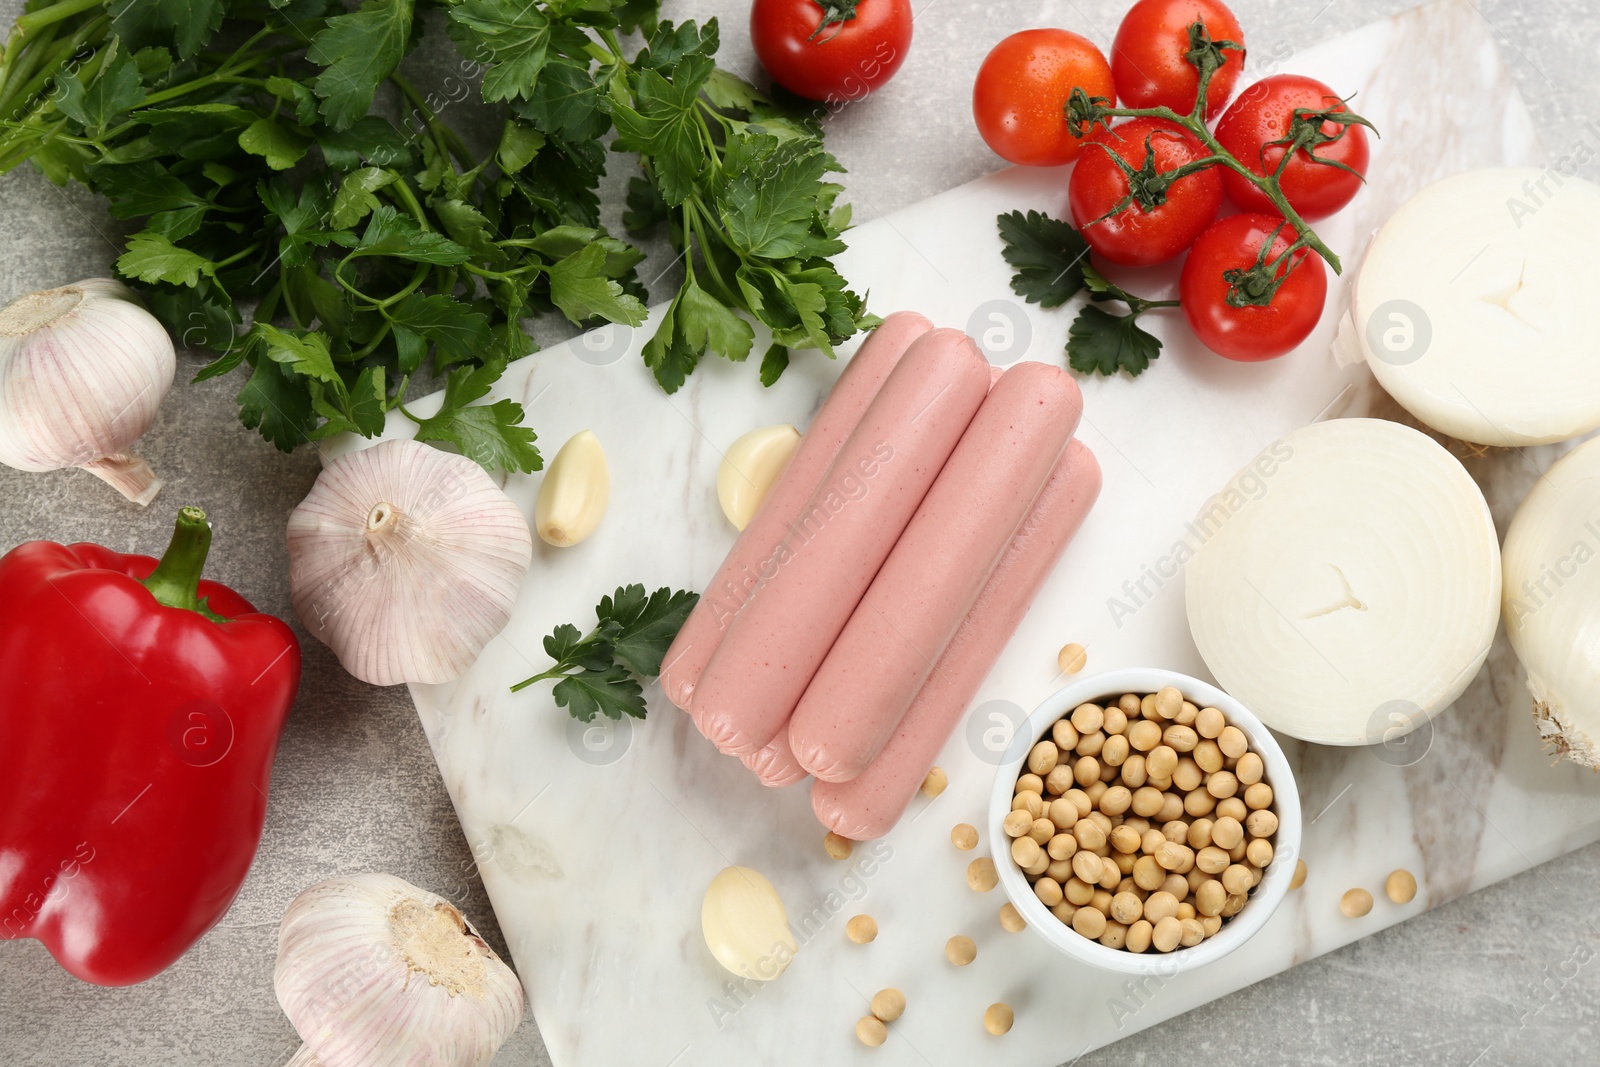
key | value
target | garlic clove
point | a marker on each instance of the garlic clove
(374, 972)
(575, 492)
(83, 370)
(745, 925)
(750, 467)
(406, 561)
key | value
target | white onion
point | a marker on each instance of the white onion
(1348, 583)
(1552, 601)
(1473, 306)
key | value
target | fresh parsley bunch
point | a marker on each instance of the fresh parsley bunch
(600, 671)
(243, 136)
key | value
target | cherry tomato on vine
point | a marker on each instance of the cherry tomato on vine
(833, 51)
(1147, 57)
(1263, 115)
(1020, 95)
(1283, 297)
(1178, 210)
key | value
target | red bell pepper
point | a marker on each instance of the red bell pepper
(140, 710)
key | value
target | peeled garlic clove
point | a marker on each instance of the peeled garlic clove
(750, 466)
(745, 925)
(1551, 602)
(374, 972)
(83, 370)
(406, 561)
(574, 494)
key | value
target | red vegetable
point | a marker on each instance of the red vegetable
(1140, 234)
(1147, 58)
(1245, 305)
(1257, 128)
(137, 732)
(834, 51)
(1020, 94)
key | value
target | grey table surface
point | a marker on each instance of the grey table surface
(1499, 977)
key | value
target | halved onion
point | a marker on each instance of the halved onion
(1552, 601)
(1473, 306)
(1348, 582)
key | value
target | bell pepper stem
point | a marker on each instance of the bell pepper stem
(175, 582)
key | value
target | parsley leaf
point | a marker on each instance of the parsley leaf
(599, 672)
(187, 23)
(461, 333)
(580, 288)
(773, 364)
(114, 90)
(360, 51)
(278, 144)
(612, 691)
(1049, 256)
(513, 37)
(491, 434)
(277, 405)
(663, 125)
(306, 354)
(1102, 343)
(153, 258)
(646, 626)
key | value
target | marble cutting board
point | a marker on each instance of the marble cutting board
(596, 843)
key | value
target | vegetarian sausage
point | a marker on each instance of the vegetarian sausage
(775, 765)
(812, 580)
(869, 805)
(840, 413)
(936, 571)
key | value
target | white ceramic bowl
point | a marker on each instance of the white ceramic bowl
(1264, 899)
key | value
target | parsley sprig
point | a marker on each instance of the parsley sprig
(599, 671)
(1052, 263)
(256, 145)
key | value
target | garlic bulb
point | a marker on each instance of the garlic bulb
(745, 925)
(374, 972)
(83, 369)
(575, 492)
(1473, 306)
(749, 467)
(1346, 584)
(406, 561)
(1552, 601)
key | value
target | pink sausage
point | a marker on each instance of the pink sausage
(815, 576)
(869, 805)
(775, 765)
(936, 571)
(840, 413)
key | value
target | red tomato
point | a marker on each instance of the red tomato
(1264, 113)
(1134, 236)
(1250, 333)
(1147, 58)
(1020, 96)
(835, 52)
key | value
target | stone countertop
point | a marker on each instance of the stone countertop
(1498, 977)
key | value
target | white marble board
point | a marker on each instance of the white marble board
(596, 846)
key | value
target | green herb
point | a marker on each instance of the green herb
(1052, 264)
(600, 671)
(243, 140)
(1049, 256)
